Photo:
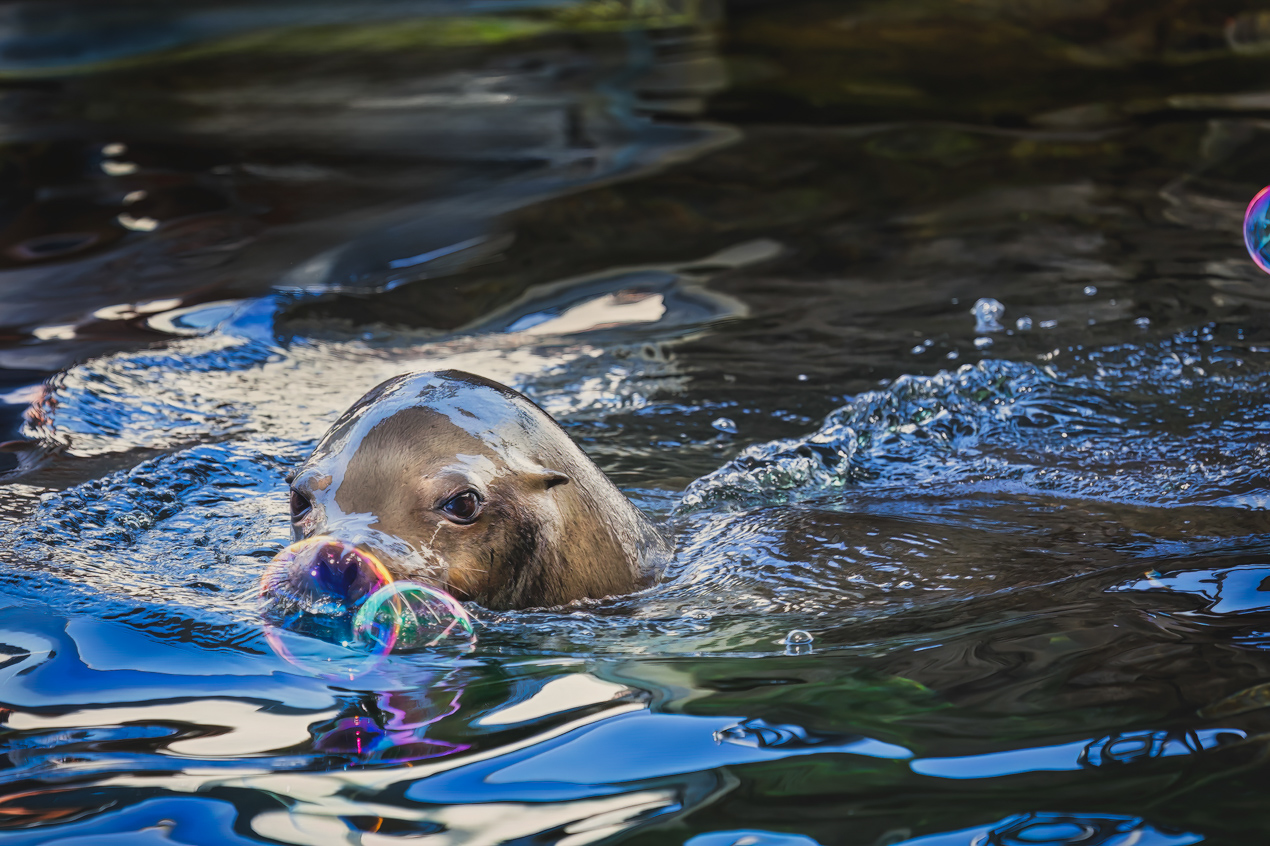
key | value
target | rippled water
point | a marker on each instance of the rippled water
(926, 328)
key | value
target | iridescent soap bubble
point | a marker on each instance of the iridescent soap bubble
(1257, 229)
(406, 615)
(321, 576)
(331, 590)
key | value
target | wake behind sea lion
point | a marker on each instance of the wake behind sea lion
(458, 481)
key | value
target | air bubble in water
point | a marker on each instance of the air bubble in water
(1257, 229)
(1023, 324)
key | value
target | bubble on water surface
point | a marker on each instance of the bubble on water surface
(1257, 229)
(407, 615)
(797, 642)
(329, 588)
(321, 576)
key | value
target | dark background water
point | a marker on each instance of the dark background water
(735, 249)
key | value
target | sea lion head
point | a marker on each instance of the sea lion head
(455, 480)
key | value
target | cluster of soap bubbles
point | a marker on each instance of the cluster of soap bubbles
(330, 589)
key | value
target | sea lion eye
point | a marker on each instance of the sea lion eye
(462, 507)
(300, 505)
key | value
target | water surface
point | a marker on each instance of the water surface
(925, 327)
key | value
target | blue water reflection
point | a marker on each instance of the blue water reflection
(1059, 829)
(1234, 590)
(1126, 748)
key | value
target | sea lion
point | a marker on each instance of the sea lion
(460, 482)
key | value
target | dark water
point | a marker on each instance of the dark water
(735, 250)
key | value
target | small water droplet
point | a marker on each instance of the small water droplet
(918, 350)
(988, 312)
(1142, 322)
(1048, 324)
(983, 342)
(953, 355)
(802, 377)
(1090, 290)
(725, 425)
(1023, 324)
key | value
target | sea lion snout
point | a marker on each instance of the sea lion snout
(465, 484)
(324, 573)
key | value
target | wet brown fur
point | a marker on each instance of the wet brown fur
(554, 528)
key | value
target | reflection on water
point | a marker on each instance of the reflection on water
(926, 328)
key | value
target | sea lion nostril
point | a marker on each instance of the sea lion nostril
(336, 577)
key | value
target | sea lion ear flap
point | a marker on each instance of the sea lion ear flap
(551, 478)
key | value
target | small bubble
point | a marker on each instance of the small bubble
(802, 377)
(983, 342)
(1090, 322)
(1142, 322)
(797, 642)
(918, 350)
(988, 312)
(1048, 324)
(1090, 290)
(725, 425)
(1023, 324)
(952, 355)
